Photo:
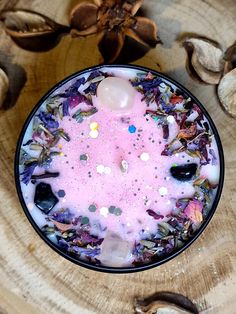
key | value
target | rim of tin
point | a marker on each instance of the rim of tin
(127, 269)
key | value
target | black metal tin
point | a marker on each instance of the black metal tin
(108, 269)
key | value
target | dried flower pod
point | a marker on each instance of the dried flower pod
(113, 20)
(4, 85)
(83, 19)
(32, 31)
(205, 59)
(165, 303)
(227, 92)
(230, 58)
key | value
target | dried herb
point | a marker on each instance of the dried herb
(181, 225)
(112, 20)
(31, 30)
(45, 175)
(73, 235)
(4, 86)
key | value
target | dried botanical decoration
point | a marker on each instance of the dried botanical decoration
(205, 59)
(4, 85)
(31, 30)
(208, 63)
(227, 92)
(112, 20)
(230, 58)
(165, 303)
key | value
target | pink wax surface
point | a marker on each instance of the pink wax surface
(100, 180)
(134, 191)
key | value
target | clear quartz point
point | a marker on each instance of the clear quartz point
(115, 251)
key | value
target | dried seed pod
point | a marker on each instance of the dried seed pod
(4, 85)
(165, 303)
(205, 75)
(112, 21)
(227, 92)
(83, 19)
(205, 59)
(32, 31)
(230, 58)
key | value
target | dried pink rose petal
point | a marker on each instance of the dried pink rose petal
(194, 211)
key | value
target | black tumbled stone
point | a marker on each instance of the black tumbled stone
(44, 198)
(184, 172)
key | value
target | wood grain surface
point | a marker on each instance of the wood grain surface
(33, 278)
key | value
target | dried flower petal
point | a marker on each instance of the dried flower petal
(31, 30)
(4, 85)
(154, 214)
(166, 303)
(136, 5)
(110, 44)
(227, 92)
(98, 2)
(187, 133)
(194, 211)
(144, 31)
(28, 172)
(61, 226)
(83, 19)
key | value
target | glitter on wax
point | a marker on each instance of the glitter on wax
(93, 133)
(93, 126)
(170, 119)
(144, 156)
(100, 169)
(132, 128)
(163, 191)
(104, 211)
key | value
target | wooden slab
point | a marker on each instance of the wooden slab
(33, 278)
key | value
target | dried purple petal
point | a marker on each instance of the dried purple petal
(63, 244)
(165, 129)
(95, 74)
(28, 143)
(214, 159)
(86, 238)
(63, 216)
(65, 108)
(28, 171)
(146, 84)
(91, 89)
(88, 252)
(48, 120)
(154, 215)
